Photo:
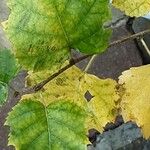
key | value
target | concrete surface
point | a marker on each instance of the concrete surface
(141, 24)
(126, 137)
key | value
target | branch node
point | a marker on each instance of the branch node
(72, 61)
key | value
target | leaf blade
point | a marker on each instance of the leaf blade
(52, 127)
(103, 105)
(3, 93)
(73, 84)
(133, 8)
(8, 66)
(135, 102)
(46, 31)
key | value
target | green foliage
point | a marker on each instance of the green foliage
(8, 69)
(8, 66)
(59, 126)
(3, 92)
(73, 84)
(42, 115)
(44, 31)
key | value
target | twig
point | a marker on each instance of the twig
(131, 37)
(72, 62)
(145, 46)
(40, 85)
(90, 63)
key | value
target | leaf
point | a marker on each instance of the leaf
(103, 105)
(65, 86)
(133, 8)
(73, 84)
(59, 126)
(135, 102)
(44, 31)
(3, 92)
(8, 66)
(8, 69)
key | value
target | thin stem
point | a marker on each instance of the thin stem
(90, 63)
(40, 85)
(145, 46)
(131, 37)
(72, 62)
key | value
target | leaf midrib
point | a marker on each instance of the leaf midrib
(62, 27)
(48, 129)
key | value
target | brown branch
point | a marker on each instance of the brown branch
(40, 85)
(131, 37)
(72, 62)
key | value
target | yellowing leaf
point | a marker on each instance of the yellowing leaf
(44, 31)
(133, 7)
(65, 86)
(135, 102)
(74, 84)
(59, 126)
(102, 107)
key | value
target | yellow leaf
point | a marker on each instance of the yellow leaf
(65, 86)
(133, 7)
(135, 102)
(73, 85)
(102, 107)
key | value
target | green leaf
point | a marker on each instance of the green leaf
(133, 7)
(44, 31)
(3, 92)
(8, 66)
(59, 126)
